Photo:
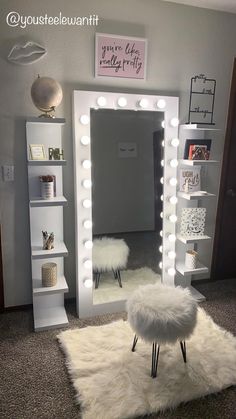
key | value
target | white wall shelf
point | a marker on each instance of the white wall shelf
(46, 162)
(192, 239)
(200, 269)
(40, 202)
(59, 250)
(46, 215)
(185, 162)
(194, 195)
(199, 127)
(61, 286)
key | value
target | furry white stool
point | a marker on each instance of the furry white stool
(162, 314)
(109, 254)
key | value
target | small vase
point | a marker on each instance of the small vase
(47, 190)
(191, 259)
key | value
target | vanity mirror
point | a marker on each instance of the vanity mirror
(125, 158)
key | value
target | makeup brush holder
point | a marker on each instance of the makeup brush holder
(191, 258)
(49, 274)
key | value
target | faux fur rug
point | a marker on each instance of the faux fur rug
(111, 382)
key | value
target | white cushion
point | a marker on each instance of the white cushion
(109, 253)
(162, 313)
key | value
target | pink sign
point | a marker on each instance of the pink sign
(119, 56)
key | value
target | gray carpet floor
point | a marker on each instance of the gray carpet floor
(34, 383)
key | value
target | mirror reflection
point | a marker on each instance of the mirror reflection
(126, 154)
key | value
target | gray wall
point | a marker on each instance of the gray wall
(123, 188)
(182, 41)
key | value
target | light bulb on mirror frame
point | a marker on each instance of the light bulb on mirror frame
(171, 271)
(174, 163)
(122, 102)
(175, 142)
(173, 218)
(84, 119)
(173, 200)
(87, 183)
(173, 181)
(172, 238)
(87, 203)
(101, 101)
(88, 263)
(88, 282)
(171, 254)
(87, 224)
(143, 103)
(86, 164)
(85, 140)
(174, 122)
(161, 103)
(160, 265)
(88, 244)
(160, 249)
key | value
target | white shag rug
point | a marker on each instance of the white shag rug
(109, 289)
(111, 382)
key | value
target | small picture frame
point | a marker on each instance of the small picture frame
(37, 152)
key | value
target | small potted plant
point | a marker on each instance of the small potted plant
(47, 186)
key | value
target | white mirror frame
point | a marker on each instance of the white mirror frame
(83, 101)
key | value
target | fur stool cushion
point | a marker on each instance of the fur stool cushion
(161, 313)
(109, 254)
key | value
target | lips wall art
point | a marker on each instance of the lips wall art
(27, 53)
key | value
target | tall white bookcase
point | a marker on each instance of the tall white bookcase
(185, 200)
(46, 215)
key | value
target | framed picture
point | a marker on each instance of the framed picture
(197, 149)
(193, 221)
(37, 152)
(190, 177)
(120, 56)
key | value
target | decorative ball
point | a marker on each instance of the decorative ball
(46, 94)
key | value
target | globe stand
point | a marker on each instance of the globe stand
(46, 113)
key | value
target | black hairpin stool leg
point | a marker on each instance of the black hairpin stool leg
(114, 273)
(155, 356)
(97, 279)
(134, 343)
(183, 349)
(119, 278)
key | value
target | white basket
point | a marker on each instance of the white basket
(47, 190)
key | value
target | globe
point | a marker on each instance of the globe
(46, 94)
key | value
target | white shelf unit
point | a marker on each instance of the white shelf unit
(192, 131)
(194, 195)
(46, 215)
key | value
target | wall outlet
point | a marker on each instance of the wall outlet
(8, 173)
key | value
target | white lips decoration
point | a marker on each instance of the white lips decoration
(26, 53)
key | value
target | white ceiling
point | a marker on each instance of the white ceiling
(223, 5)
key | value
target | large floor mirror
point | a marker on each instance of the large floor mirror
(125, 149)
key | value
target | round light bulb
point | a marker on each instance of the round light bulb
(171, 271)
(87, 224)
(86, 164)
(85, 140)
(174, 163)
(162, 180)
(161, 103)
(87, 203)
(88, 283)
(160, 249)
(101, 101)
(173, 181)
(171, 254)
(175, 142)
(174, 122)
(162, 163)
(88, 263)
(173, 218)
(122, 102)
(163, 143)
(84, 119)
(172, 238)
(163, 124)
(160, 265)
(162, 197)
(87, 183)
(161, 214)
(161, 233)
(173, 200)
(143, 103)
(88, 244)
